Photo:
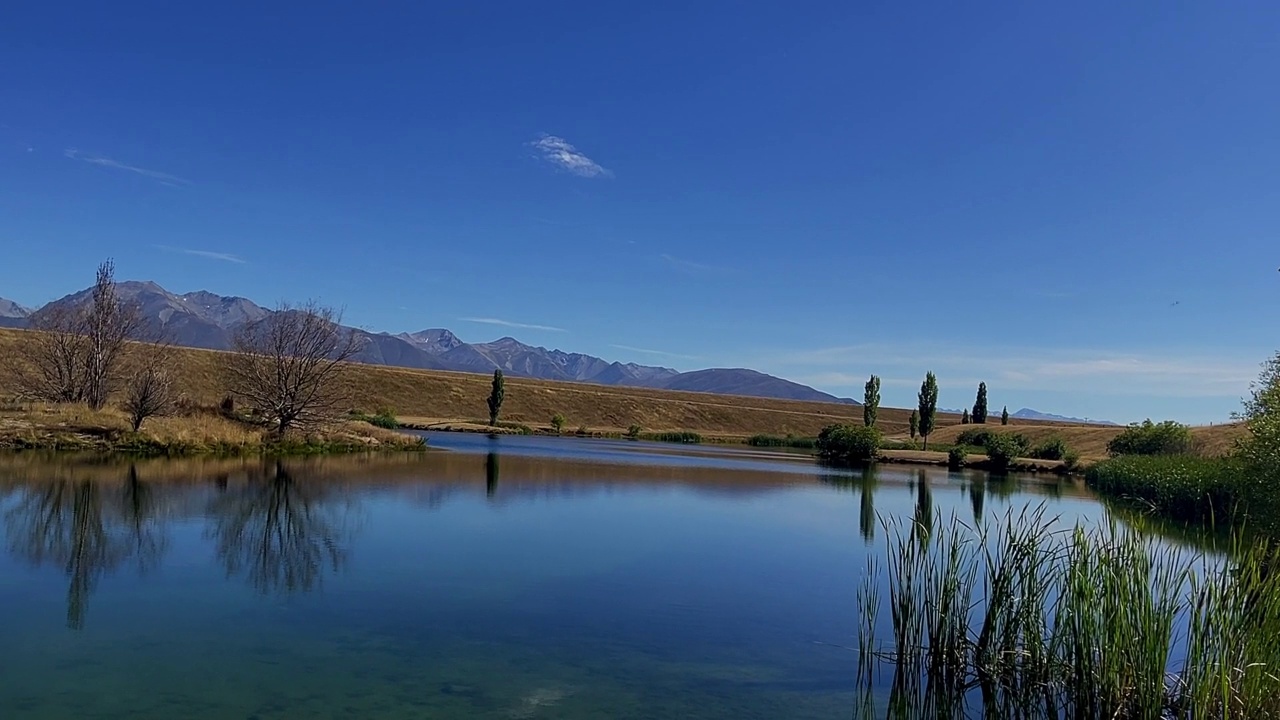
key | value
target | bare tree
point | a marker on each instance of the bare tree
(289, 365)
(75, 353)
(148, 392)
(109, 323)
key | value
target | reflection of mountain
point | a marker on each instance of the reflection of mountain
(282, 534)
(78, 526)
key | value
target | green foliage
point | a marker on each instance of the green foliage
(557, 422)
(1055, 448)
(848, 443)
(1107, 622)
(1004, 416)
(981, 437)
(871, 401)
(955, 457)
(964, 418)
(1261, 449)
(913, 424)
(1148, 438)
(689, 438)
(928, 406)
(384, 418)
(496, 396)
(1214, 491)
(1003, 449)
(980, 406)
(633, 432)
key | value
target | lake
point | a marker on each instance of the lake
(510, 577)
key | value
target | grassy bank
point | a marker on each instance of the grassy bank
(1023, 618)
(1221, 492)
(194, 432)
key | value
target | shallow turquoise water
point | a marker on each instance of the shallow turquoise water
(507, 578)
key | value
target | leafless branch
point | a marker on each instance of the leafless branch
(289, 365)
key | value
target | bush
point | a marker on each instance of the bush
(981, 438)
(557, 422)
(1052, 449)
(1004, 449)
(385, 419)
(634, 431)
(776, 441)
(1148, 438)
(1209, 490)
(848, 443)
(956, 457)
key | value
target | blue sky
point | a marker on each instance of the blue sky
(1076, 202)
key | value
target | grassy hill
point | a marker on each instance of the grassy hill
(430, 396)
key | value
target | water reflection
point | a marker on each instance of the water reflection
(977, 497)
(75, 524)
(866, 505)
(491, 474)
(279, 533)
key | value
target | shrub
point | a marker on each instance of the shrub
(582, 430)
(1148, 438)
(1003, 450)
(1211, 490)
(634, 431)
(1054, 448)
(557, 422)
(955, 458)
(228, 406)
(848, 443)
(776, 441)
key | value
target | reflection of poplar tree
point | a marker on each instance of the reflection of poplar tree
(924, 507)
(280, 532)
(491, 474)
(867, 513)
(977, 497)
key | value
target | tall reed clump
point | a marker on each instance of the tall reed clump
(1191, 489)
(1029, 619)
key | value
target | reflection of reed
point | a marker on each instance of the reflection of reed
(280, 532)
(89, 533)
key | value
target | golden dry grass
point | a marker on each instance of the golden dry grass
(1091, 440)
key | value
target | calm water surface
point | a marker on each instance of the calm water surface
(491, 578)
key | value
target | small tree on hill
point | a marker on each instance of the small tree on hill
(1004, 416)
(964, 418)
(148, 392)
(496, 396)
(871, 401)
(557, 422)
(928, 406)
(913, 423)
(980, 405)
(290, 365)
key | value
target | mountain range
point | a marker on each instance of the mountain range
(1029, 414)
(206, 320)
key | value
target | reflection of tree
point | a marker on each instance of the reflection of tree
(924, 506)
(491, 474)
(70, 524)
(867, 511)
(977, 497)
(282, 533)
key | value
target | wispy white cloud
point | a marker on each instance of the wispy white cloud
(164, 178)
(660, 353)
(558, 152)
(210, 254)
(510, 324)
(1175, 374)
(688, 266)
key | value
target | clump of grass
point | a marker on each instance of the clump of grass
(689, 438)
(1191, 489)
(1034, 620)
(385, 418)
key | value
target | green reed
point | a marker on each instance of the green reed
(1031, 619)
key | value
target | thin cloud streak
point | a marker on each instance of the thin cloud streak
(210, 254)
(557, 151)
(688, 266)
(507, 323)
(161, 177)
(661, 353)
